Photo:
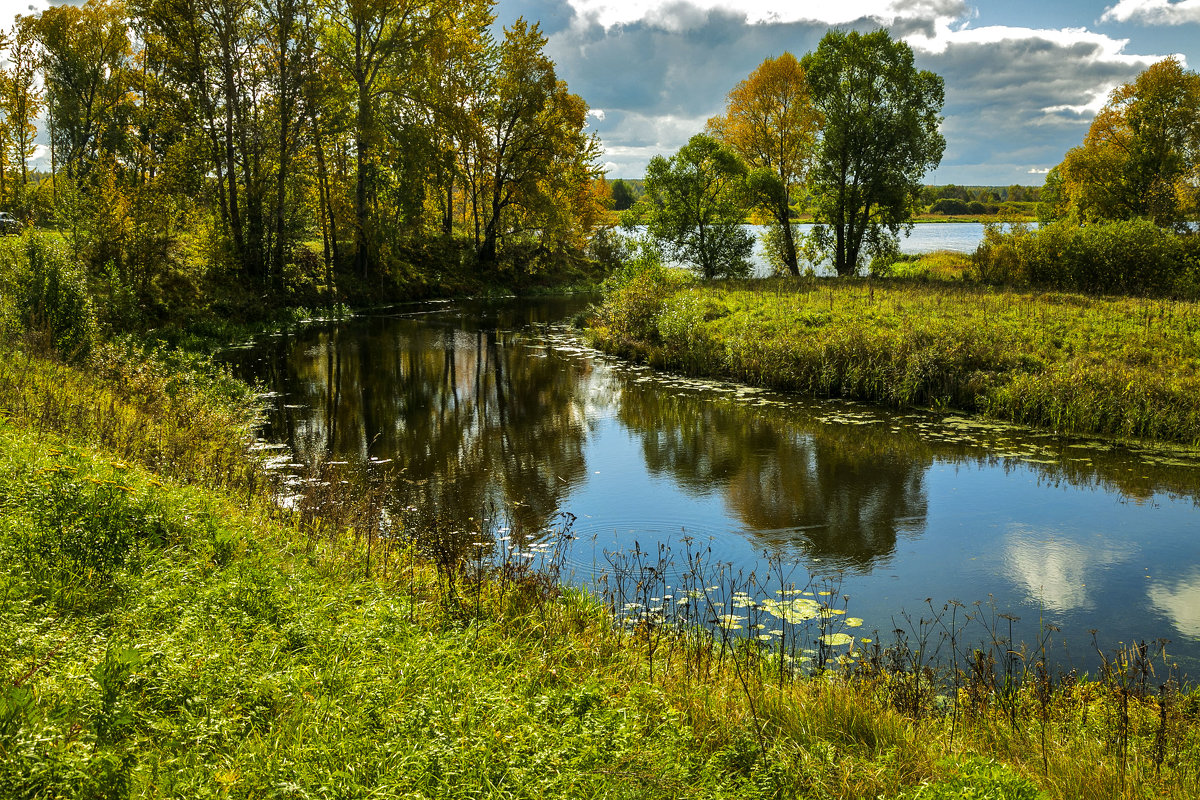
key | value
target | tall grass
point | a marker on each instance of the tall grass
(1075, 364)
(180, 417)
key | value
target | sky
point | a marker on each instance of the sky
(1023, 77)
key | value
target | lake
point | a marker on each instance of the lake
(926, 237)
(458, 406)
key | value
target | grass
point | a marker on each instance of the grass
(1071, 363)
(166, 630)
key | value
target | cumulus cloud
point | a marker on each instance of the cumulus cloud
(1154, 12)
(1016, 98)
(1055, 570)
(678, 14)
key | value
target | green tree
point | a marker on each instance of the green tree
(21, 100)
(622, 196)
(378, 46)
(879, 137)
(1052, 203)
(85, 60)
(770, 122)
(695, 207)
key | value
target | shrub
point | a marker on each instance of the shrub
(1002, 256)
(634, 296)
(948, 205)
(52, 298)
(1134, 257)
(1127, 257)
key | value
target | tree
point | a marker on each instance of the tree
(879, 137)
(372, 42)
(696, 202)
(770, 122)
(532, 157)
(1141, 155)
(622, 196)
(85, 60)
(21, 101)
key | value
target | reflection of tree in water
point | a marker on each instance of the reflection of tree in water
(472, 417)
(841, 492)
(469, 418)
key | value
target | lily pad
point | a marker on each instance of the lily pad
(836, 639)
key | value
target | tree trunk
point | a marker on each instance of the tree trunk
(362, 146)
(789, 241)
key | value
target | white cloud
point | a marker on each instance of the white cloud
(676, 14)
(1055, 570)
(1039, 170)
(1015, 96)
(1179, 600)
(1154, 12)
(9, 9)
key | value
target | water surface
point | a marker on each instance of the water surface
(461, 405)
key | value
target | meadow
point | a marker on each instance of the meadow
(1071, 363)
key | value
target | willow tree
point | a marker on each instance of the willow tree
(879, 135)
(770, 122)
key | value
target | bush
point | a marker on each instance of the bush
(1132, 257)
(948, 205)
(1127, 257)
(52, 298)
(634, 296)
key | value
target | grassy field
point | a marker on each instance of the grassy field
(1071, 363)
(167, 630)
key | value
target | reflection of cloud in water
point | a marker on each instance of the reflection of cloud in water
(1055, 571)
(1180, 601)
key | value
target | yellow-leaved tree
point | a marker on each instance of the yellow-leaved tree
(770, 122)
(1141, 156)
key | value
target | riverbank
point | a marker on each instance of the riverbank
(1070, 363)
(168, 629)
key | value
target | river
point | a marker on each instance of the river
(460, 405)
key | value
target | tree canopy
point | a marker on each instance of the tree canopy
(201, 140)
(770, 122)
(1141, 155)
(879, 135)
(695, 203)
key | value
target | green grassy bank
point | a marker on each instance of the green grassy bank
(167, 631)
(1070, 363)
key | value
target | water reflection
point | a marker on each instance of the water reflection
(461, 415)
(464, 406)
(836, 493)
(1179, 600)
(1060, 574)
